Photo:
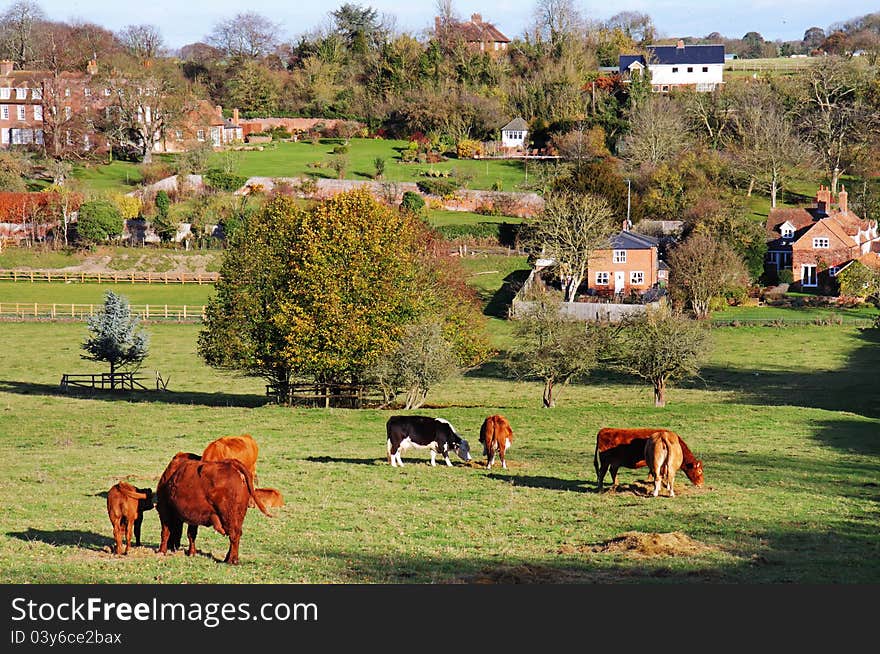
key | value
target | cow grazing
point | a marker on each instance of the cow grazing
(204, 493)
(664, 456)
(495, 435)
(244, 448)
(125, 506)
(435, 434)
(270, 497)
(625, 447)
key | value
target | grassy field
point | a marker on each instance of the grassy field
(786, 422)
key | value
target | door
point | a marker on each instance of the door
(808, 275)
(619, 280)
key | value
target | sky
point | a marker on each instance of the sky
(188, 21)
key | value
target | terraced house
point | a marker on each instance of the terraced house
(816, 242)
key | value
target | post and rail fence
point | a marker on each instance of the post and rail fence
(39, 311)
(116, 277)
(112, 381)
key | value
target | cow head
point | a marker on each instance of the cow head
(694, 472)
(463, 449)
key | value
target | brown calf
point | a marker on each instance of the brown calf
(270, 497)
(664, 457)
(125, 506)
(495, 434)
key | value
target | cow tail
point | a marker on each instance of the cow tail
(250, 486)
(596, 459)
(132, 492)
(484, 428)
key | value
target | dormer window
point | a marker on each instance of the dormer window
(787, 230)
(822, 243)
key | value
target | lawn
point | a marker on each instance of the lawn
(785, 421)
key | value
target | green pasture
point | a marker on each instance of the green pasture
(785, 420)
(93, 293)
(796, 314)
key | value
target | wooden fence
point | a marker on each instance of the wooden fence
(108, 277)
(115, 381)
(62, 311)
(352, 396)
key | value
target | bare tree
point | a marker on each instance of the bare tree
(569, 230)
(658, 132)
(702, 268)
(554, 348)
(636, 25)
(245, 36)
(555, 21)
(767, 146)
(661, 346)
(143, 42)
(18, 25)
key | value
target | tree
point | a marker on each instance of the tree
(658, 132)
(143, 42)
(97, 221)
(115, 336)
(358, 26)
(636, 25)
(412, 202)
(703, 267)
(857, 280)
(254, 88)
(422, 359)
(552, 347)
(556, 21)
(14, 168)
(323, 293)
(568, 230)
(813, 38)
(162, 223)
(18, 25)
(661, 346)
(247, 35)
(379, 166)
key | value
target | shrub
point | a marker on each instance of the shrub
(786, 276)
(443, 187)
(97, 221)
(129, 206)
(412, 202)
(153, 172)
(340, 149)
(468, 149)
(221, 181)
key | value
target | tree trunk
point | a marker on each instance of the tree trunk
(549, 402)
(774, 186)
(751, 187)
(571, 288)
(835, 178)
(659, 393)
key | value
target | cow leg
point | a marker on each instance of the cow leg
(600, 476)
(191, 532)
(117, 536)
(232, 553)
(433, 457)
(128, 533)
(490, 458)
(137, 529)
(614, 470)
(163, 541)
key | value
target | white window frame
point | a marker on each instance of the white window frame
(821, 243)
(21, 113)
(787, 232)
(21, 93)
(4, 112)
(833, 270)
(5, 93)
(636, 277)
(619, 256)
(603, 278)
(37, 94)
(67, 92)
(38, 112)
(87, 92)
(815, 276)
(200, 135)
(107, 92)
(68, 112)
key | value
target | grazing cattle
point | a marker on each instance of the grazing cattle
(663, 456)
(125, 506)
(244, 448)
(495, 435)
(270, 497)
(435, 434)
(625, 447)
(204, 493)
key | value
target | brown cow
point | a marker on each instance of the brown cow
(244, 448)
(125, 506)
(204, 493)
(663, 455)
(271, 497)
(625, 447)
(495, 434)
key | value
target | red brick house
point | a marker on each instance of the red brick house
(55, 111)
(480, 36)
(816, 242)
(204, 124)
(631, 264)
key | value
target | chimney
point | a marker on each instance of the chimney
(823, 199)
(680, 44)
(235, 116)
(842, 199)
(476, 18)
(219, 110)
(92, 67)
(6, 67)
(625, 225)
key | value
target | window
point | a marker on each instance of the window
(675, 69)
(619, 256)
(20, 94)
(636, 277)
(68, 138)
(496, 45)
(37, 94)
(665, 88)
(66, 93)
(178, 135)
(4, 92)
(67, 113)
(690, 69)
(38, 112)
(106, 91)
(200, 135)
(705, 69)
(87, 91)
(21, 110)
(86, 144)
(787, 231)
(833, 270)
(821, 243)
(4, 112)
(602, 279)
(808, 275)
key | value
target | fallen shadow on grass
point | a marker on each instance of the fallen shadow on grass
(549, 483)
(63, 537)
(163, 397)
(498, 305)
(340, 459)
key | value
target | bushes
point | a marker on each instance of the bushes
(153, 172)
(443, 187)
(97, 221)
(221, 181)
(412, 202)
(128, 205)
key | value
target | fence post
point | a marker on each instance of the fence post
(166, 310)
(147, 312)
(35, 309)
(184, 312)
(53, 310)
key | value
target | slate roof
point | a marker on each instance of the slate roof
(632, 241)
(670, 54)
(517, 124)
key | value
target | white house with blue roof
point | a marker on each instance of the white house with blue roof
(675, 66)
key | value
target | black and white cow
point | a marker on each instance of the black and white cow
(435, 434)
